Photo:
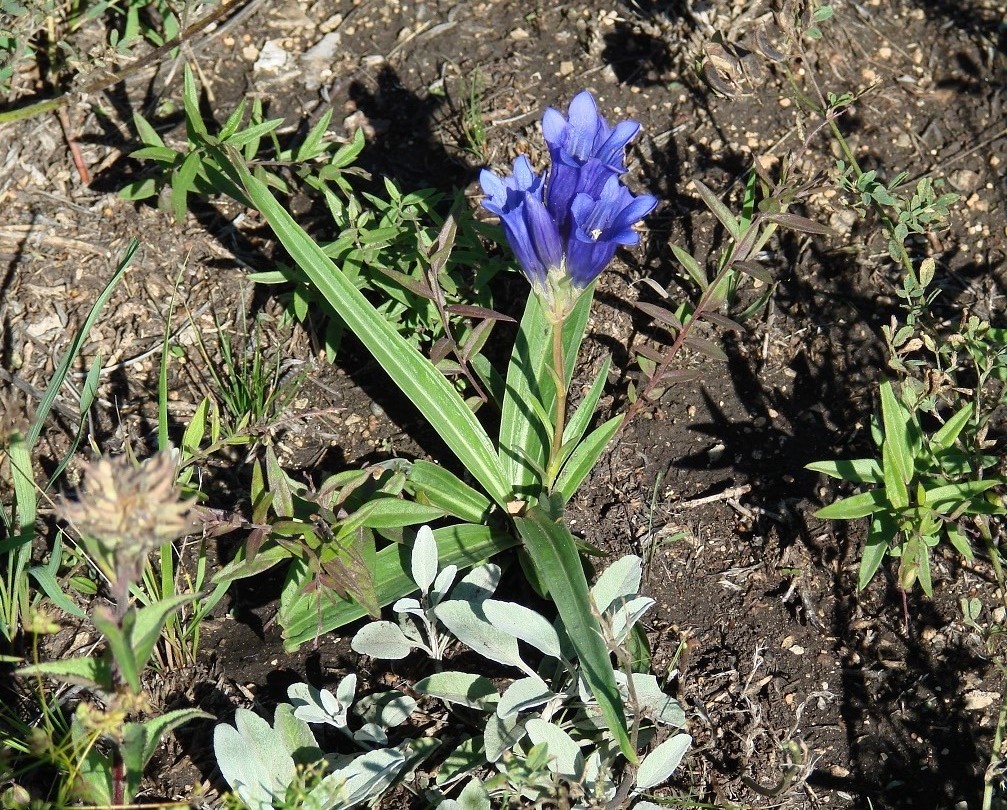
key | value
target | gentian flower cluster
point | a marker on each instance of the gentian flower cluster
(565, 227)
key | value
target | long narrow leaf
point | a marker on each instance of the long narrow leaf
(585, 456)
(721, 211)
(524, 441)
(896, 435)
(578, 424)
(945, 438)
(856, 506)
(416, 377)
(858, 470)
(553, 551)
(60, 375)
(445, 489)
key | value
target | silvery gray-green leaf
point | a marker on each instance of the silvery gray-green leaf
(295, 735)
(619, 581)
(253, 759)
(408, 605)
(364, 778)
(523, 694)
(658, 766)
(479, 635)
(387, 709)
(652, 701)
(370, 734)
(381, 640)
(424, 559)
(501, 735)
(524, 624)
(443, 583)
(478, 584)
(346, 690)
(627, 615)
(565, 757)
(462, 688)
(472, 797)
(317, 706)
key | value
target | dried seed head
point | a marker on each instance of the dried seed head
(129, 510)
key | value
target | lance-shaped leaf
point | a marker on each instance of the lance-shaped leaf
(553, 552)
(414, 375)
(524, 436)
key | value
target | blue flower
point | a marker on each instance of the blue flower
(600, 223)
(566, 229)
(530, 230)
(573, 141)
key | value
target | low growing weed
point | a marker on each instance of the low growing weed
(388, 243)
(544, 735)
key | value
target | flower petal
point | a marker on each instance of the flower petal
(637, 209)
(584, 123)
(543, 233)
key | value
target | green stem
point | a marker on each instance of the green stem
(559, 378)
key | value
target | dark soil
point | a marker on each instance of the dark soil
(758, 621)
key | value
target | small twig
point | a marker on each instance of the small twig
(37, 393)
(71, 142)
(727, 494)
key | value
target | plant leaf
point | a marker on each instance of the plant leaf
(721, 211)
(424, 559)
(553, 552)
(446, 490)
(479, 635)
(857, 470)
(944, 439)
(896, 435)
(253, 759)
(418, 379)
(658, 766)
(524, 439)
(462, 688)
(524, 694)
(585, 456)
(621, 580)
(383, 640)
(523, 623)
(855, 506)
(565, 758)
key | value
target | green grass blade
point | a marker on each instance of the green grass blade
(415, 376)
(553, 551)
(63, 370)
